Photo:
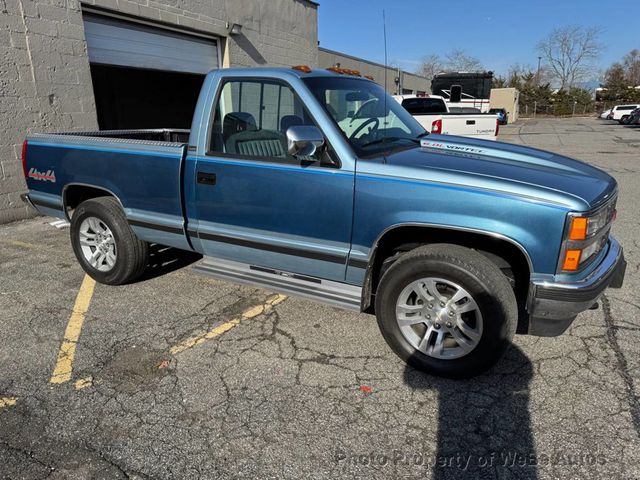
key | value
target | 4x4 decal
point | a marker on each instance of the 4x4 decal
(48, 176)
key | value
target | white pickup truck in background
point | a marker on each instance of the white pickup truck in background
(433, 114)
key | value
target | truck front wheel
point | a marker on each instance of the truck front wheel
(446, 310)
(104, 243)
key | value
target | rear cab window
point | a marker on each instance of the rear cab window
(424, 106)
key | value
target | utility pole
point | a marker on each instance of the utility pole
(538, 72)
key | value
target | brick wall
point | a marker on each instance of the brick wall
(45, 81)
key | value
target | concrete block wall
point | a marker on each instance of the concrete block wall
(45, 84)
(274, 32)
(45, 80)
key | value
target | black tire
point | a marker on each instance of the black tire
(132, 253)
(624, 120)
(483, 281)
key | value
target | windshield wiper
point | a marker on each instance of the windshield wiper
(388, 139)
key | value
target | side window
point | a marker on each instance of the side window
(252, 117)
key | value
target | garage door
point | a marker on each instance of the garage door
(115, 42)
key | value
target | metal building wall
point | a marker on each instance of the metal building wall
(408, 81)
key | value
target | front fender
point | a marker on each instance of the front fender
(384, 202)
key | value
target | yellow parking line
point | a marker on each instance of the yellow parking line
(83, 383)
(7, 401)
(225, 327)
(64, 364)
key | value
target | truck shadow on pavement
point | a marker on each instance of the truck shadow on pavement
(164, 260)
(484, 426)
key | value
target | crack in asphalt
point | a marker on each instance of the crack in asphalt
(623, 367)
(30, 454)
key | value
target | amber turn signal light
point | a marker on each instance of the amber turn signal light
(578, 230)
(571, 260)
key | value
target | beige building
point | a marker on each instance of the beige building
(507, 98)
(398, 81)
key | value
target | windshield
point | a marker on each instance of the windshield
(358, 108)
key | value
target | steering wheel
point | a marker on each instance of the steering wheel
(366, 104)
(361, 127)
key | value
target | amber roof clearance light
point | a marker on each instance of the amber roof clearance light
(344, 71)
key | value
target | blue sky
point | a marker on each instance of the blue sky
(498, 32)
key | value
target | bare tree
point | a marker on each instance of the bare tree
(454, 61)
(569, 52)
(631, 62)
(430, 66)
(518, 73)
(459, 61)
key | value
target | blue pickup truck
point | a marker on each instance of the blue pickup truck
(316, 183)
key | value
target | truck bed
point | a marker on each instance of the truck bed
(174, 135)
(141, 168)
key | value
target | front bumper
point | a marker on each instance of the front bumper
(554, 305)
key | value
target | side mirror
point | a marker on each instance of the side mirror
(304, 140)
(456, 94)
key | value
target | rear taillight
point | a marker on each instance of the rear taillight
(24, 158)
(497, 127)
(436, 126)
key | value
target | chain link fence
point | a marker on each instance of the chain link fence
(559, 109)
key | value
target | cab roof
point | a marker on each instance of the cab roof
(285, 72)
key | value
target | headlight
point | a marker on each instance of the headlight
(585, 236)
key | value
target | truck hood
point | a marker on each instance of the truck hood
(506, 167)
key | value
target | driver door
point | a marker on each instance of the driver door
(257, 204)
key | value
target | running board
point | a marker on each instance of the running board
(335, 294)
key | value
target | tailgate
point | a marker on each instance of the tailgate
(480, 126)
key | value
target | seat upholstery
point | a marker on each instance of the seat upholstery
(236, 122)
(289, 121)
(257, 143)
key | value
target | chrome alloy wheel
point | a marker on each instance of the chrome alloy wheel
(439, 318)
(97, 244)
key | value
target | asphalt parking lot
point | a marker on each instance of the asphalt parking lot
(180, 376)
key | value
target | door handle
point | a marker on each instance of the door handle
(206, 178)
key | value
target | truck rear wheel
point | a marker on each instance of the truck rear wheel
(446, 310)
(104, 243)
